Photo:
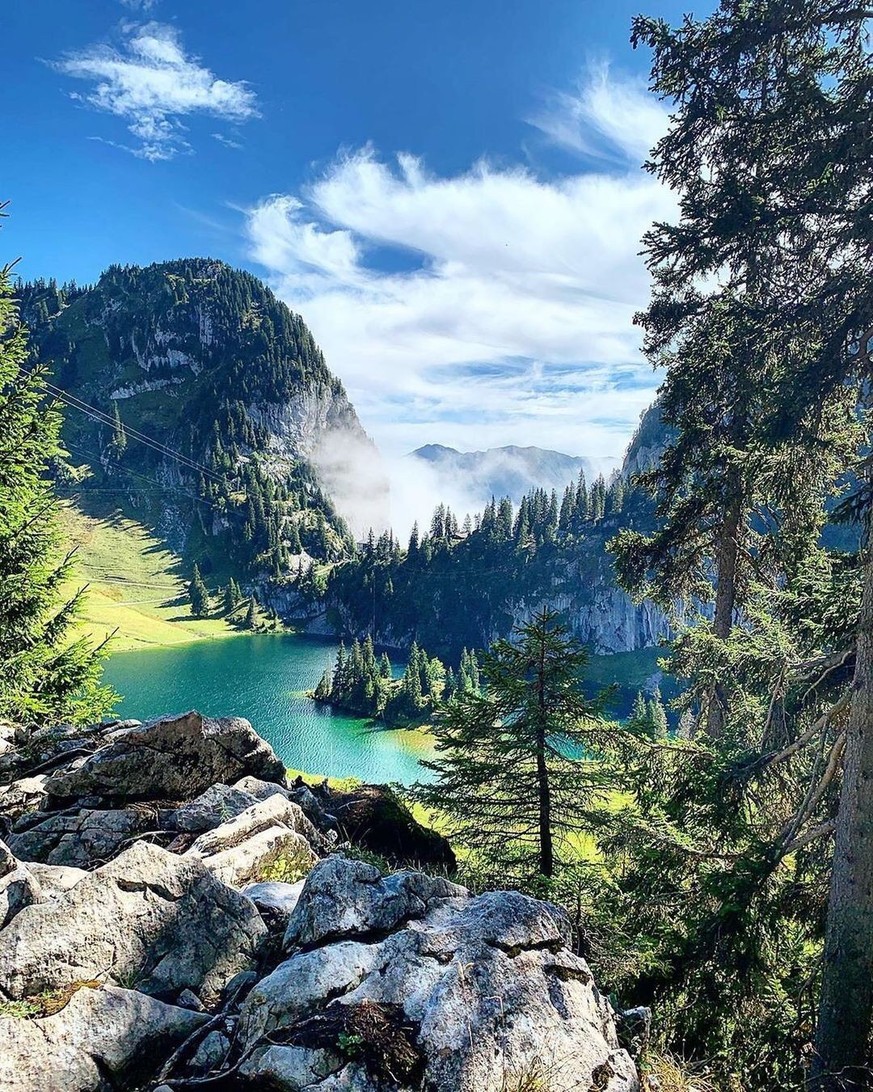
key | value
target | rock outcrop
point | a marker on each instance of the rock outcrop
(211, 931)
(104, 1038)
(434, 989)
(169, 759)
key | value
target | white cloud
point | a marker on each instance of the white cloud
(152, 83)
(604, 117)
(227, 141)
(140, 5)
(477, 310)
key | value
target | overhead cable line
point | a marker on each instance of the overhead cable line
(135, 434)
(145, 477)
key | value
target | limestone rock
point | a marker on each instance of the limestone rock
(275, 900)
(21, 796)
(474, 994)
(345, 898)
(82, 838)
(210, 1053)
(55, 879)
(273, 834)
(217, 805)
(104, 1039)
(8, 861)
(148, 917)
(173, 758)
(299, 793)
(18, 888)
(274, 811)
(300, 985)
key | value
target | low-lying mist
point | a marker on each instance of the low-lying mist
(372, 491)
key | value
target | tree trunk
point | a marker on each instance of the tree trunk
(725, 600)
(547, 855)
(842, 1060)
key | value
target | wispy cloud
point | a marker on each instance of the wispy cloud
(510, 318)
(604, 117)
(140, 5)
(227, 141)
(152, 83)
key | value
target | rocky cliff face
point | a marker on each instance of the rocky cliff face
(605, 618)
(171, 911)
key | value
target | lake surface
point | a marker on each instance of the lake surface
(263, 677)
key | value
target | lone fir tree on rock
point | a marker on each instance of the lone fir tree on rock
(512, 775)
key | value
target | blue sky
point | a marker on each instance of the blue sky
(450, 193)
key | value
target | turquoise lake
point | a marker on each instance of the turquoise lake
(264, 678)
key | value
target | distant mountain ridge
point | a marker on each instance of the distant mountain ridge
(509, 471)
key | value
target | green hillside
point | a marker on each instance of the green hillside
(136, 586)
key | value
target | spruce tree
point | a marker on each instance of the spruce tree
(638, 721)
(510, 773)
(768, 148)
(46, 674)
(251, 621)
(198, 594)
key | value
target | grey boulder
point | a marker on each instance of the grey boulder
(169, 759)
(102, 1040)
(272, 834)
(471, 994)
(21, 796)
(275, 900)
(149, 918)
(18, 888)
(345, 898)
(217, 805)
(82, 838)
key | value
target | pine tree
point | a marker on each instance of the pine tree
(45, 673)
(503, 774)
(198, 594)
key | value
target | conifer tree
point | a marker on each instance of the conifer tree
(198, 594)
(251, 617)
(657, 714)
(45, 673)
(769, 149)
(324, 691)
(503, 772)
(638, 721)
